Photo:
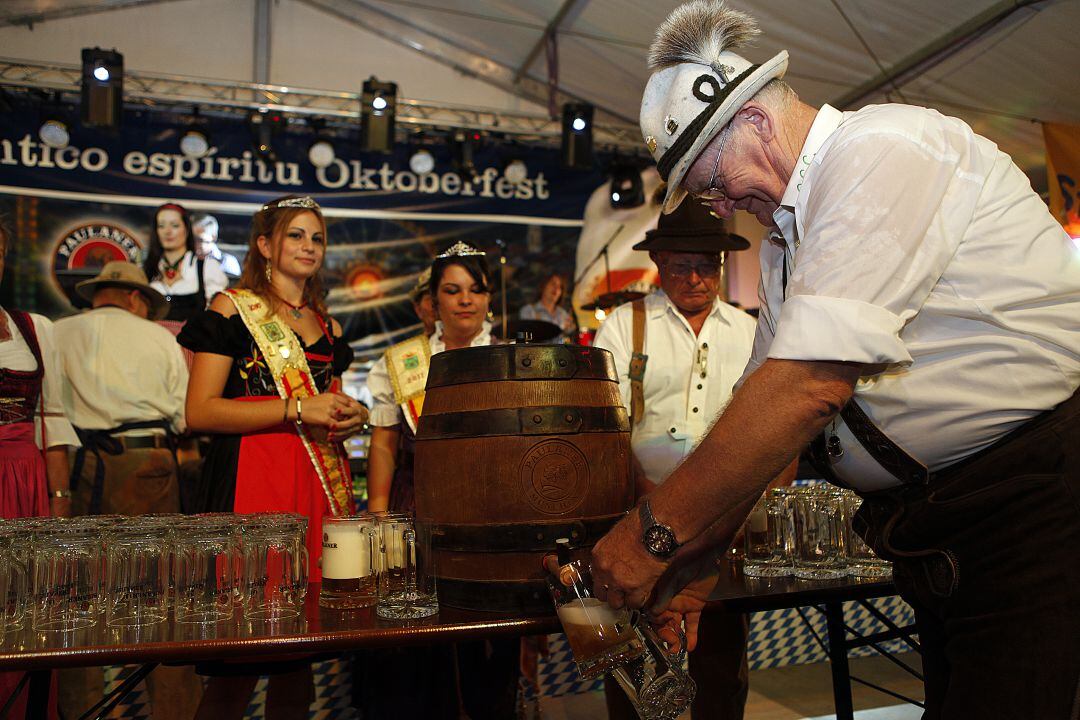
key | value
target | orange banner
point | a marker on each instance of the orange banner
(1063, 169)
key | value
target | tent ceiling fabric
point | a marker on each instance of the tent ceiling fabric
(999, 83)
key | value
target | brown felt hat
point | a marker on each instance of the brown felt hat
(691, 228)
(120, 273)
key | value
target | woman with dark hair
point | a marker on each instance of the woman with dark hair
(175, 269)
(548, 308)
(411, 683)
(461, 293)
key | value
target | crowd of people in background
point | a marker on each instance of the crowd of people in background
(111, 398)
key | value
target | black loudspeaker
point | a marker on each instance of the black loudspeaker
(378, 107)
(577, 145)
(102, 88)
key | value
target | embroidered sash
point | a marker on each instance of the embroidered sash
(284, 357)
(407, 363)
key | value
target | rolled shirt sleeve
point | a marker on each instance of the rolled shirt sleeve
(58, 430)
(616, 336)
(866, 262)
(385, 412)
(214, 278)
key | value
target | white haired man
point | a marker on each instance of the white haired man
(206, 229)
(919, 324)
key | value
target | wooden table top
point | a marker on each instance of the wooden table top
(317, 630)
(321, 630)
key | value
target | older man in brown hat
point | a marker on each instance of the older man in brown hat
(679, 353)
(919, 325)
(128, 382)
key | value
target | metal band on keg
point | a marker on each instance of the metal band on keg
(523, 421)
(520, 537)
(520, 362)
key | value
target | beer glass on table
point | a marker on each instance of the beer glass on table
(206, 569)
(66, 577)
(603, 639)
(406, 587)
(769, 535)
(275, 563)
(819, 522)
(861, 560)
(137, 573)
(350, 548)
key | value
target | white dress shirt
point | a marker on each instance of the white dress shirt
(15, 354)
(916, 245)
(187, 282)
(120, 368)
(680, 404)
(385, 412)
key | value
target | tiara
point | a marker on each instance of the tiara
(460, 249)
(299, 202)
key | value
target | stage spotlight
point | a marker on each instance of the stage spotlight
(516, 171)
(102, 88)
(422, 162)
(462, 150)
(577, 145)
(321, 152)
(627, 188)
(264, 126)
(54, 132)
(378, 105)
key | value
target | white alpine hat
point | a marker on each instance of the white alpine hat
(698, 85)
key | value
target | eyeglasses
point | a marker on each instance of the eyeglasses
(711, 192)
(707, 269)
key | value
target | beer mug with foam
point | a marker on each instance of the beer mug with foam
(350, 549)
(603, 639)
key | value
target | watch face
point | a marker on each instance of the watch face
(659, 540)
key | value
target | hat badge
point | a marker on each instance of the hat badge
(670, 125)
(724, 71)
(650, 142)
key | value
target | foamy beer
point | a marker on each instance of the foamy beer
(600, 637)
(348, 562)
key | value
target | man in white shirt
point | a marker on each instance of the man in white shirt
(127, 381)
(206, 230)
(919, 306)
(690, 349)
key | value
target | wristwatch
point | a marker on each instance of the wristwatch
(658, 539)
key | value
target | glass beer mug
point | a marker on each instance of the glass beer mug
(275, 565)
(350, 548)
(603, 639)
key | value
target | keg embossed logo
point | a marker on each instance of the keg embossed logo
(554, 477)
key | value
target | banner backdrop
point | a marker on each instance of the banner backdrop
(74, 209)
(1063, 168)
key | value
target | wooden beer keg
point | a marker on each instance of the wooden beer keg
(517, 446)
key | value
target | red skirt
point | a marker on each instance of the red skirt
(24, 491)
(274, 474)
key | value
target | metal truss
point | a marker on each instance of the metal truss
(169, 91)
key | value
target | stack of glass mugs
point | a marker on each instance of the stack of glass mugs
(130, 571)
(382, 559)
(806, 532)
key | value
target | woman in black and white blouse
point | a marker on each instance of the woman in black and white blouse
(175, 270)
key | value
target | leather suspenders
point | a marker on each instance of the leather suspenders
(637, 365)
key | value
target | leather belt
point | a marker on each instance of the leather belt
(139, 442)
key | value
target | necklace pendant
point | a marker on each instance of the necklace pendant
(296, 313)
(170, 273)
